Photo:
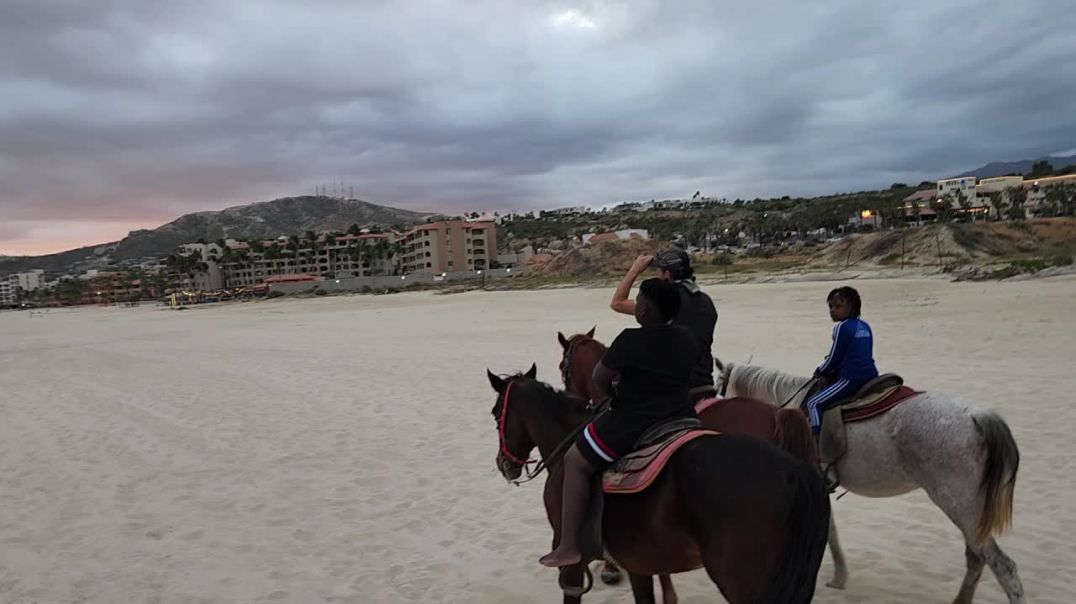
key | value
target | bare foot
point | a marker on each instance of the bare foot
(558, 558)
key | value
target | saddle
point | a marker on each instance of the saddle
(635, 472)
(874, 398)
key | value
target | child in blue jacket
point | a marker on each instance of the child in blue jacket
(850, 362)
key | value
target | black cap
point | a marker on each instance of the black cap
(674, 260)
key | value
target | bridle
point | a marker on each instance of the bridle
(501, 421)
(567, 363)
(540, 465)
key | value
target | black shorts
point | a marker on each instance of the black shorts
(612, 436)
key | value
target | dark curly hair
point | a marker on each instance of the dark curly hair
(849, 295)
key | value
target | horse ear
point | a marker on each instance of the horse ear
(590, 334)
(563, 340)
(495, 381)
(532, 373)
(720, 366)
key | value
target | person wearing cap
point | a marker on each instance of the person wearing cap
(697, 311)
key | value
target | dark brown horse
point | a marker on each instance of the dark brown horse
(786, 428)
(750, 514)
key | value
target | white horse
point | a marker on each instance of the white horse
(964, 458)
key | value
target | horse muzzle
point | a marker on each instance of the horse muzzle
(509, 470)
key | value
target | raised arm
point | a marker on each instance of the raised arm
(621, 303)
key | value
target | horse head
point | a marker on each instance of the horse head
(569, 346)
(514, 443)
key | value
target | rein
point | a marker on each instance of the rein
(794, 394)
(500, 430)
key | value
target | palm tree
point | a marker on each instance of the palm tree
(1068, 204)
(1056, 200)
(944, 206)
(998, 200)
(1017, 198)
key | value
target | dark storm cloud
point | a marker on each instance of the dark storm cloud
(131, 112)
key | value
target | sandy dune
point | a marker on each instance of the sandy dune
(341, 450)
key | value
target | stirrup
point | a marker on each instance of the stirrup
(832, 481)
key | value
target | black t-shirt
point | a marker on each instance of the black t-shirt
(698, 314)
(655, 364)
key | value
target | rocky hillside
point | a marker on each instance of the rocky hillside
(263, 220)
(955, 244)
(284, 216)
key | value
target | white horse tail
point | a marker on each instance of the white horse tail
(999, 474)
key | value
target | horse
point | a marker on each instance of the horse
(757, 522)
(964, 458)
(786, 428)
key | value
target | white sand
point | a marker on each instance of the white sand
(341, 449)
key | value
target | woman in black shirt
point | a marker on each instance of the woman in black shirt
(654, 362)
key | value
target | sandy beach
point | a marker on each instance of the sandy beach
(341, 449)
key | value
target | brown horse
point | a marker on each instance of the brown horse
(786, 428)
(757, 521)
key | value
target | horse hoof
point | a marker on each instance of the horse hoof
(836, 583)
(611, 576)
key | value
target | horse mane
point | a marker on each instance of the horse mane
(550, 395)
(763, 383)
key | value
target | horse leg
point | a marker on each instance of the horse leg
(668, 592)
(957, 494)
(1005, 571)
(840, 568)
(642, 587)
(571, 583)
(975, 564)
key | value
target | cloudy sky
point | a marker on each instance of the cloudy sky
(123, 114)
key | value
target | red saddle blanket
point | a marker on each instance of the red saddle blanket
(857, 414)
(637, 470)
(849, 415)
(706, 403)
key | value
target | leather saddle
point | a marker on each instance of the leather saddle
(872, 399)
(634, 473)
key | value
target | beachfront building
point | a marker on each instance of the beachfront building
(962, 193)
(109, 287)
(207, 250)
(13, 286)
(448, 246)
(568, 211)
(239, 265)
(28, 281)
(621, 235)
(1037, 189)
